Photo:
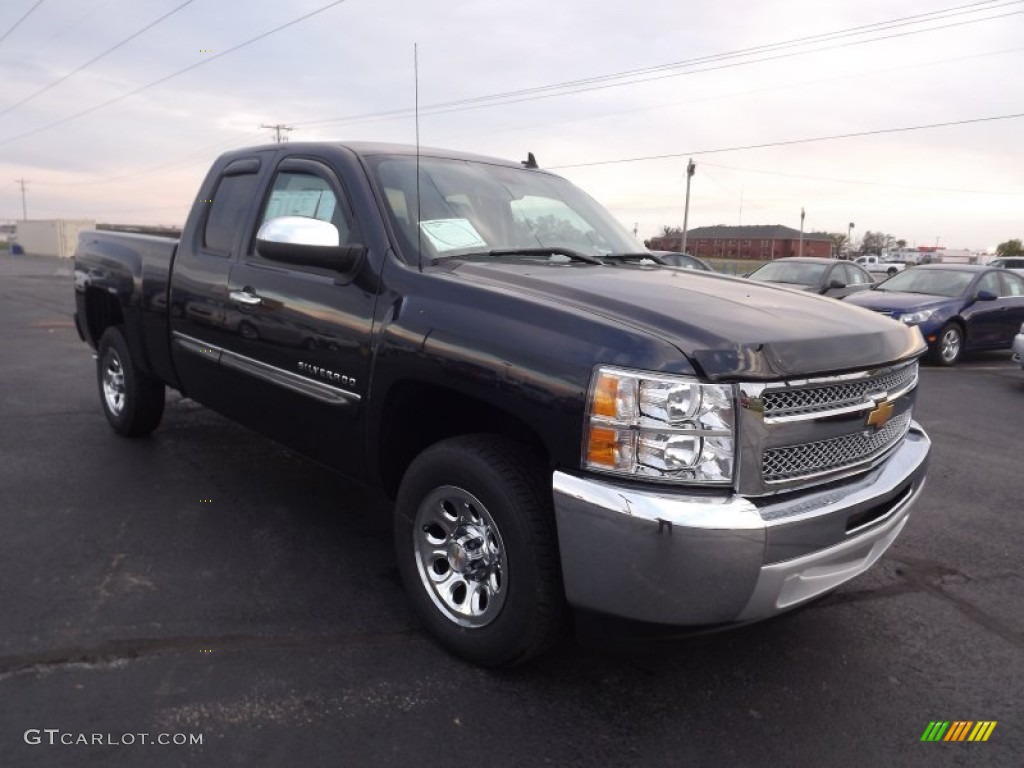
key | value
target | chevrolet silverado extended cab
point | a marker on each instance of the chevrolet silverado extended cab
(562, 421)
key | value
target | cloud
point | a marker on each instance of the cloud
(356, 59)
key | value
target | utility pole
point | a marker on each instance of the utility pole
(24, 208)
(802, 214)
(277, 129)
(690, 168)
(849, 239)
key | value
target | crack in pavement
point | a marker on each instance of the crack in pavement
(117, 653)
(928, 576)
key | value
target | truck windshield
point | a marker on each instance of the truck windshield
(474, 208)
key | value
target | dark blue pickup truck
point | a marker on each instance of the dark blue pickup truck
(562, 421)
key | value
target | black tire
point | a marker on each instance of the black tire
(526, 613)
(134, 403)
(949, 347)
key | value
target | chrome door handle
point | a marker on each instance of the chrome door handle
(246, 298)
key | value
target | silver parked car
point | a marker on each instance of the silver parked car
(1013, 263)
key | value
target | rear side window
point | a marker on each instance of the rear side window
(230, 202)
(1013, 285)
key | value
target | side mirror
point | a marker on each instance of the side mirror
(986, 296)
(835, 285)
(306, 242)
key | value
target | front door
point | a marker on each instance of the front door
(300, 336)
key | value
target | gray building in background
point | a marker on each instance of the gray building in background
(50, 237)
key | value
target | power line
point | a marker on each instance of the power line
(790, 142)
(165, 78)
(93, 60)
(44, 44)
(18, 22)
(822, 37)
(858, 181)
(730, 65)
(601, 82)
(790, 84)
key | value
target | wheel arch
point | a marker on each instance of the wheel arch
(102, 310)
(416, 415)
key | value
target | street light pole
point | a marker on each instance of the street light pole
(802, 214)
(690, 168)
(24, 207)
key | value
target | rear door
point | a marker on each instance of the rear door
(986, 320)
(1011, 297)
(299, 337)
(199, 305)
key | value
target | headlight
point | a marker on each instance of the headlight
(660, 427)
(913, 318)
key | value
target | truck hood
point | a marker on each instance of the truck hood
(729, 328)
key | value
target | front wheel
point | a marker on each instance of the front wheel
(133, 402)
(950, 345)
(477, 550)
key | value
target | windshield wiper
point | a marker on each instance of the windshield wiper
(546, 251)
(635, 257)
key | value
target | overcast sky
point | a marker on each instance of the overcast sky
(855, 66)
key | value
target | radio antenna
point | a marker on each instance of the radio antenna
(416, 78)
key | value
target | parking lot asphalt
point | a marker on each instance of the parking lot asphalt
(206, 581)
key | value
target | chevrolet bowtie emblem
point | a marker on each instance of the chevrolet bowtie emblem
(880, 414)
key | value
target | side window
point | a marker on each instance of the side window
(990, 283)
(1013, 285)
(306, 194)
(230, 203)
(860, 276)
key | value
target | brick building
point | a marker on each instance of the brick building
(762, 242)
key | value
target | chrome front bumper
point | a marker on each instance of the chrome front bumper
(658, 555)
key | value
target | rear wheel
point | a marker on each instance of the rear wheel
(950, 344)
(477, 549)
(133, 402)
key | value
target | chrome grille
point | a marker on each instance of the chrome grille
(810, 459)
(818, 399)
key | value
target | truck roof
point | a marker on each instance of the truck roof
(371, 148)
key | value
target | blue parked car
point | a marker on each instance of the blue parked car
(958, 307)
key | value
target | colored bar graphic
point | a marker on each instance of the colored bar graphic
(935, 730)
(982, 730)
(958, 730)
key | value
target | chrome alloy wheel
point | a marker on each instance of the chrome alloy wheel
(113, 382)
(949, 344)
(460, 556)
